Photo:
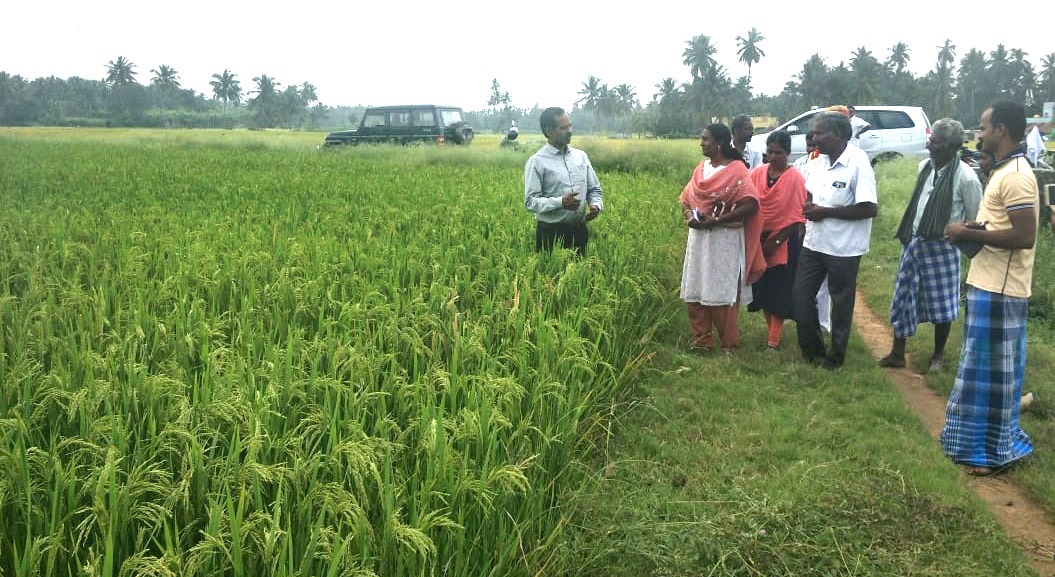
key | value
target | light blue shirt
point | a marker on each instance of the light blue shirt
(550, 174)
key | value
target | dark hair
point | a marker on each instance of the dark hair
(837, 122)
(548, 120)
(739, 122)
(721, 134)
(1012, 115)
(781, 137)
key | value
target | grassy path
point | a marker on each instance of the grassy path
(759, 464)
(1022, 517)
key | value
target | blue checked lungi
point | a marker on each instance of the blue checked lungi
(927, 288)
(981, 419)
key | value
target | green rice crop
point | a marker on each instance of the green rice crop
(225, 360)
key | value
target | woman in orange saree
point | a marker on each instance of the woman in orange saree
(781, 194)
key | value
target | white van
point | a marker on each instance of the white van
(896, 131)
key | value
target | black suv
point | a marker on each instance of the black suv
(406, 124)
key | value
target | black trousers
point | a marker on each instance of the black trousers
(841, 272)
(573, 235)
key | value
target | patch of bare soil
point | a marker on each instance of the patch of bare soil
(1024, 520)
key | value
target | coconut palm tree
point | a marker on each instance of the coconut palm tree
(226, 88)
(946, 54)
(749, 51)
(866, 74)
(668, 88)
(1023, 78)
(971, 84)
(942, 80)
(699, 55)
(898, 60)
(165, 77)
(668, 113)
(308, 93)
(266, 88)
(900, 81)
(1046, 92)
(1000, 68)
(711, 94)
(813, 80)
(120, 72)
(592, 93)
(266, 105)
(625, 97)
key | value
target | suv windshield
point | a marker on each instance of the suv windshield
(450, 116)
(373, 119)
(802, 126)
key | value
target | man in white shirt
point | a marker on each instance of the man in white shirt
(858, 126)
(743, 129)
(839, 210)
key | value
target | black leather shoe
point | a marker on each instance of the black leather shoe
(830, 364)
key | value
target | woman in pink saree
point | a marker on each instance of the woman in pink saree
(723, 252)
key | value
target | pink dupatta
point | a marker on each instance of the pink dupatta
(729, 186)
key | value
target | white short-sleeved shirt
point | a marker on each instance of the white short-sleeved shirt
(752, 157)
(857, 124)
(849, 181)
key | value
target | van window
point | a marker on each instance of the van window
(450, 116)
(373, 119)
(888, 119)
(399, 118)
(424, 117)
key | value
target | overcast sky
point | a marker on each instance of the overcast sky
(375, 52)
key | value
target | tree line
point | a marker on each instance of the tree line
(120, 100)
(958, 86)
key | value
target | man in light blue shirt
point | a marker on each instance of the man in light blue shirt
(561, 187)
(927, 288)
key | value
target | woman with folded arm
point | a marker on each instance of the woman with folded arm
(781, 194)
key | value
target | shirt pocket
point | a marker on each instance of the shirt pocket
(577, 171)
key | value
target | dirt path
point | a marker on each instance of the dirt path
(1025, 521)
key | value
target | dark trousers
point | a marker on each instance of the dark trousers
(573, 235)
(842, 284)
